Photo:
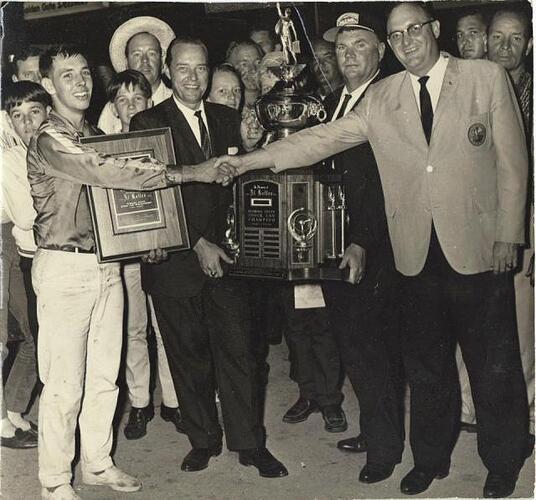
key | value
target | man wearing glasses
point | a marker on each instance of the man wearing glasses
(448, 139)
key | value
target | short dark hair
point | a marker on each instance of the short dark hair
(520, 13)
(17, 93)
(129, 77)
(246, 43)
(47, 59)
(426, 7)
(187, 40)
(474, 13)
(142, 33)
(22, 54)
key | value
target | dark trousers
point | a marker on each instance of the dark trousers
(314, 354)
(440, 307)
(365, 318)
(26, 267)
(207, 338)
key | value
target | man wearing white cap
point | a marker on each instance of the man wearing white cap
(140, 44)
(364, 315)
(448, 139)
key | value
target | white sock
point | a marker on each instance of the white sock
(7, 429)
(18, 421)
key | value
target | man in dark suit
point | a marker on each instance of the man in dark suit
(364, 312)
(205, 320)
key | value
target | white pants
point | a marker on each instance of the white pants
(137, 357)
(80, 312)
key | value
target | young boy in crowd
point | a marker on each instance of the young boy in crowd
(130, 92)
(26, 105)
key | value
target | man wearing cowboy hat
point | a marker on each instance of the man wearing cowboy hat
(140, 44)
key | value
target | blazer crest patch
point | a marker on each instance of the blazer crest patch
(477, 134)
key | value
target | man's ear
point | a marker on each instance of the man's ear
(47, 84)
(381, 50)
(48, 109)
(14, 78)
(114, 110)
(436, 28)
(529, 47)
(149, 103)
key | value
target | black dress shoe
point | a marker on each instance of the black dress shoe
(264, 461)
(138, 419)
(374, 473)
(197, 458)
(20, 441)
(418, 480)
(354, 445)
(499, 485)
(300, 411)
(334, 418)
(172, 415)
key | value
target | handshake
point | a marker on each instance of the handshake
(221, 170)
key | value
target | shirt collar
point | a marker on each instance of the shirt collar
(53, 116)
(436, 72)
(356, 93)
(188, 112)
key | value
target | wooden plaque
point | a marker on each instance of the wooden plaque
(128, 224)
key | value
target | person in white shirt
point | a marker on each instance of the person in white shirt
(26, 105)
(139, 44)
(129, 92)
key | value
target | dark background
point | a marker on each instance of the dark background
(217, 24)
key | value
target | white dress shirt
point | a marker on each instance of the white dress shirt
(356, 94)
(434, 83)
(192, 120)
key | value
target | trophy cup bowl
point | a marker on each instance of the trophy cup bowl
(285, 109)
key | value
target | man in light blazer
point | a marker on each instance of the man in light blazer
(448, 140)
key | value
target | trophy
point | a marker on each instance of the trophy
(285, 109)
(288, 223)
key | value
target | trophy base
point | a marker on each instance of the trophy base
(302, 275)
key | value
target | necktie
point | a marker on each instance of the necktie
(205, 139)
(340, 114)
(427, 113)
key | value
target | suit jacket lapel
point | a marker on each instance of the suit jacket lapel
(182, 133)
(450, 82)
(212, 130)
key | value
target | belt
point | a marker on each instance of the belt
(70, 248)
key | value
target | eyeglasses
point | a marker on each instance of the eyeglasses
(413, 31)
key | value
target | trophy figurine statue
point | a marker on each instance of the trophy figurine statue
(302, 225)
(286, 109)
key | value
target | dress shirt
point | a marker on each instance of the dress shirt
(17, 199)
(434, 84)
(59, 166)
(356, 94)
(111, 124)
(192, 120)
